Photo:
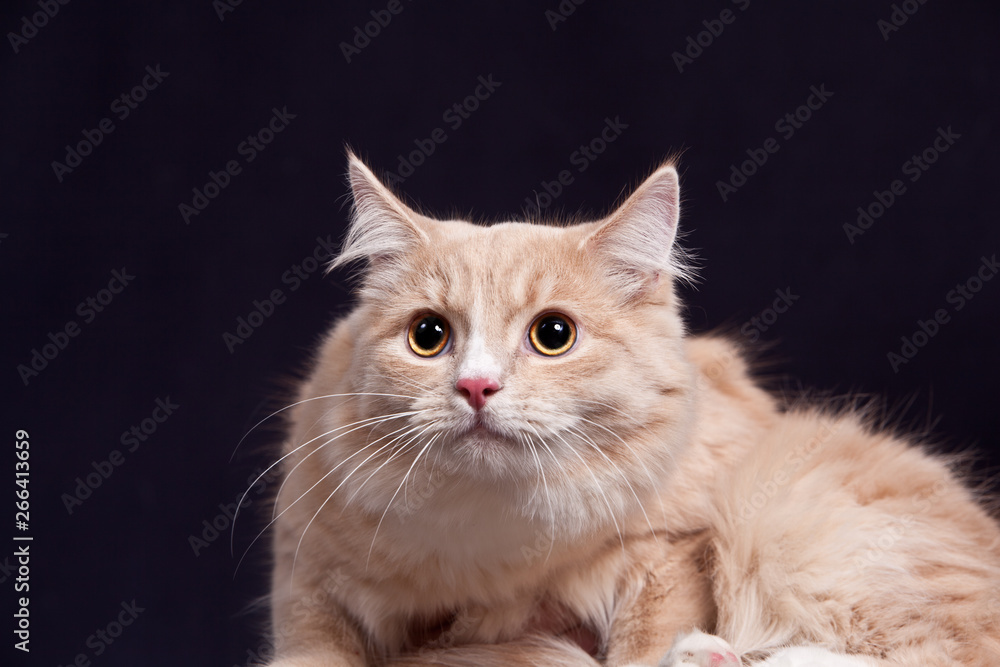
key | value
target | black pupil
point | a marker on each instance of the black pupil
(429, 333)
(553, 332)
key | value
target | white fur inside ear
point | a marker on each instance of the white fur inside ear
(637, 241)
(382, 227)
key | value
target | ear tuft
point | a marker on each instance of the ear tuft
(382, 228)
(637, 242)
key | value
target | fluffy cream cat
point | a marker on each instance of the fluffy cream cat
(509, 453)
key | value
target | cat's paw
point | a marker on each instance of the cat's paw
(697, 649)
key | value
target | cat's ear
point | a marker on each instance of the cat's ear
(637, 243)
(383, 228)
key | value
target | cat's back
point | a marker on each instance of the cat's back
(812, 523)
(806, 468)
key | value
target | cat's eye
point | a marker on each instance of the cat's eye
(428, 335)
(552, 334)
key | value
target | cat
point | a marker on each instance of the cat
(510, 452)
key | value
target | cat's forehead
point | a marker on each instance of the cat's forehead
(504, 236)
(503, 268)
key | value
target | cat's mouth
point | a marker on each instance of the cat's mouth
(483, 429)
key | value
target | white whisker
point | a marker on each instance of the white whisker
(652, 482)
(649, 475)
(611, 512)
(330, 497)
(392, 456)
(609, 407)
(355, 426)
(307, 400)
(290, 453)
(396, 375)
(389, 504)
(583, 436)
(548, 496)
(317, 483)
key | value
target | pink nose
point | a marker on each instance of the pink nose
(477, 390)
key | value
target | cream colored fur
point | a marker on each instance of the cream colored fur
(625, 493)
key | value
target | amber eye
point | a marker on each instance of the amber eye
(552, 334)
(428, 335)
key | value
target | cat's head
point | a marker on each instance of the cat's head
(522, 354)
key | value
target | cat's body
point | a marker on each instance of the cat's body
(493, 503)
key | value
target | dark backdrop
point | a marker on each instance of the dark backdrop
(208, 78)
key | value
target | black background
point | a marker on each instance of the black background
(163, 335)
